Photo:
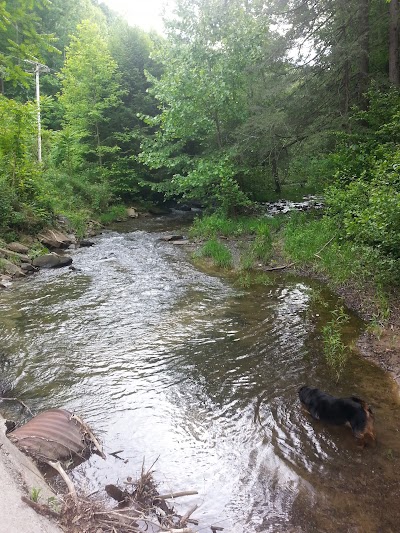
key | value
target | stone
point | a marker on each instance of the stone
(132, 213)
(14, 270)
(52, 261)
(5, 281)
(27, 267)
(180, 243)
(65, 260)
(18, 247)
(169, 238)
(156, 210)
(53, 238)
(85, 243)
(5, 252)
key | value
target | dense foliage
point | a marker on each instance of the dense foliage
(238, 102)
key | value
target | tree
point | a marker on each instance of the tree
(130, 47)
(203, 98)
(90, 87)
(21, 39)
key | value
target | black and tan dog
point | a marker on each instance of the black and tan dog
(340, 411)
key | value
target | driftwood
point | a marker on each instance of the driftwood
(177, 494)
(279, 267)
(324, 246)
(187, 515)
(71, 488)
(143, 511)
(89, 433)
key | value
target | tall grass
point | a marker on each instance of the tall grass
(114, 212)
(318, 242)
(261, 249)
(217, 251)
(217, 225)
(258, 230)
(335, 351)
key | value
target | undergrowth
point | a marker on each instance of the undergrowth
(217, 225)
(318, 243)
(218, 252)
(113, 213)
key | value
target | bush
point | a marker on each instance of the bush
(369, 213)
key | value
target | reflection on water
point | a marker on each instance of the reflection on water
(166, 361)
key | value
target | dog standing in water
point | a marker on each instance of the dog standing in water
(339, 411)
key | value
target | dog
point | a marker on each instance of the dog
(340, 411)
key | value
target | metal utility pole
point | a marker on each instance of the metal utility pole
(38, 69)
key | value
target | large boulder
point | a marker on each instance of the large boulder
(52, 261)
(55, 239)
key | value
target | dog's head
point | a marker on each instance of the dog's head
(367, 435)
(304, 394)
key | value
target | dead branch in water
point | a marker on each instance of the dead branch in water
(324, 246)
(177, 494)
(279, 267)
(57, 466)
(143, 509)
(187, 515)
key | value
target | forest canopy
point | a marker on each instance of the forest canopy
(238, 103)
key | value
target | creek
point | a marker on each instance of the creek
(168, 362)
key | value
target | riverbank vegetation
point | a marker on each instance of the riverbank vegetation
(230, 108)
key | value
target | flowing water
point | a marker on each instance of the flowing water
(165, 361)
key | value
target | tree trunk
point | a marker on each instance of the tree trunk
(218, 127)
(98, 145)
(346, 94)
(394, 73)
(275, 173)
(363, 20)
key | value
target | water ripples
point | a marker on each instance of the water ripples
(163, 360)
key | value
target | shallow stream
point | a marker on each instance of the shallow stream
(165, 361)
